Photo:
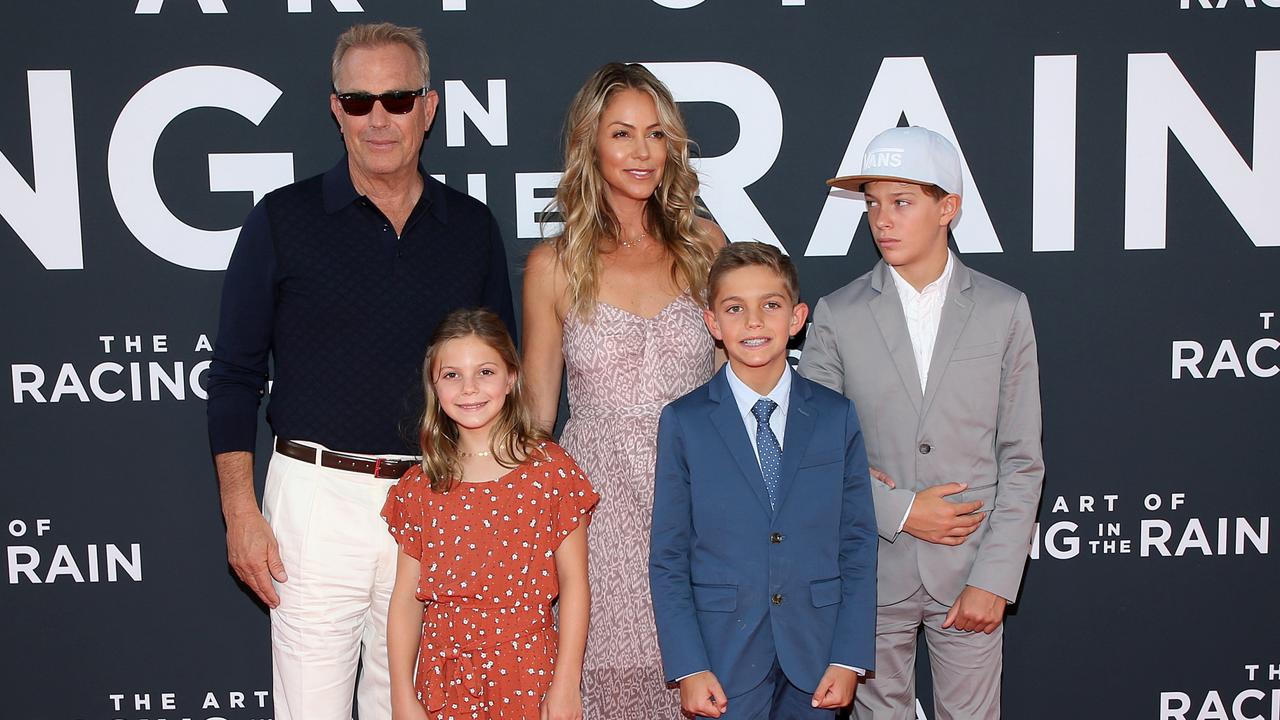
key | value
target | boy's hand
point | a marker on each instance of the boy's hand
(935, 520)
(836, 688)
(561, 703)
(976, 610)
(701, 694)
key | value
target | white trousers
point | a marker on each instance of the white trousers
(341, 565)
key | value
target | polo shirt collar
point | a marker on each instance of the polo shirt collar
(339, 191)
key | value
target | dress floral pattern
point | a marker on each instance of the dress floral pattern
(487, 579)
(622, 369)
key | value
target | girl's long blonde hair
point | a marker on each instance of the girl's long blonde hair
(514, 432)
(581, 196)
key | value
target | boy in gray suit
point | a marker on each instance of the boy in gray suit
(940, 361)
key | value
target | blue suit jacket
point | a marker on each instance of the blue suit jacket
(736, 584)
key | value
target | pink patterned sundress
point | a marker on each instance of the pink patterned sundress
(622, 369)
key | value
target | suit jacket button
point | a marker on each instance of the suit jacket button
(925, 448)
(777, 599)
(775, 538)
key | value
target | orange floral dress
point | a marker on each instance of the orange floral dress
(488, 578)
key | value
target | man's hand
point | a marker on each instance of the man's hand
(976, 610)
(701, 694)
(878, 474)
(254, 555)
(935, 520)
(836, 688)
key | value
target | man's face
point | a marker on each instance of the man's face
(381, 144)
(908, 225)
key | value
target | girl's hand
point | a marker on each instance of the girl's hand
(562, 702)
(407, 708)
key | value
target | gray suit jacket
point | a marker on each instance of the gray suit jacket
(977, 422)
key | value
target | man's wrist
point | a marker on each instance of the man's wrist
(240, 510)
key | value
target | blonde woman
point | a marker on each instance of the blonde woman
(616, 300)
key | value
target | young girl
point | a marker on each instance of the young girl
(491, 529)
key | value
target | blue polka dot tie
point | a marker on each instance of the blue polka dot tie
(768, 449)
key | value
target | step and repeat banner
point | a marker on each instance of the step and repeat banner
(1122, 162)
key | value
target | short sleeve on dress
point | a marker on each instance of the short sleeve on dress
(403, 511)
(575, 499)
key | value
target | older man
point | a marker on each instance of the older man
(340, 280)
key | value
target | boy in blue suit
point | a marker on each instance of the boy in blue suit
(763, 557)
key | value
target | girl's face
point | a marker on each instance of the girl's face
(471, 381)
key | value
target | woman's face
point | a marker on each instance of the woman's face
(631, 146)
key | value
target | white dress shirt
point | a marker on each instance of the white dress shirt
(923, 313)
(746, 399)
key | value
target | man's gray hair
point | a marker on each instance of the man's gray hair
(385, 33)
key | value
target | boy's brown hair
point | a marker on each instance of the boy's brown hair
(745, 254)
(933, 191)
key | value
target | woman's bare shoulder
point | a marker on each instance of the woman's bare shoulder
(715, 237)
(543, 260)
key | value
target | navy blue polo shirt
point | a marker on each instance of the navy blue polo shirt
(322, 297)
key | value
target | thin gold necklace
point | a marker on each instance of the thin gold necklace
(634, 242)
(483, 453)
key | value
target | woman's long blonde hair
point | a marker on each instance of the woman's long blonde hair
(512, 435)
(583, 203)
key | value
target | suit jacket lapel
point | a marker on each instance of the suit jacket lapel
(886, 308)
(955, 315)
(733, 431)
(800, 424)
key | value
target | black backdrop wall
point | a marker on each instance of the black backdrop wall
(1123, 159)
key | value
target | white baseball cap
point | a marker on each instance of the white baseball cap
(907, 154)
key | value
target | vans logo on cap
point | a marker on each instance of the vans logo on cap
(884, 157)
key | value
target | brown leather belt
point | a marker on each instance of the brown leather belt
(378, 468)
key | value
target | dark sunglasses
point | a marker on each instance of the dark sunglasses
(396, 102)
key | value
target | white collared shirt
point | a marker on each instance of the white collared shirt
(923, 313)
(746, 399)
